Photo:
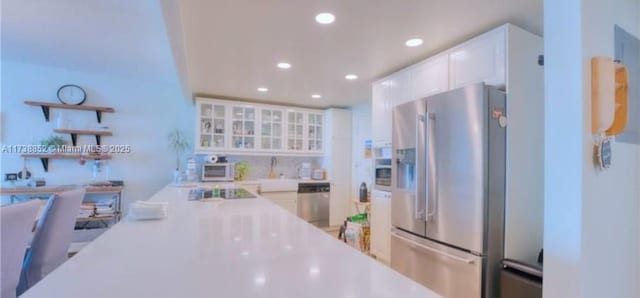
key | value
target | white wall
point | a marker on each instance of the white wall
(611, 219)
(361, 131)
(591, 218)
(145, 113)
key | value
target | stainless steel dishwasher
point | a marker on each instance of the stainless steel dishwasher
(313, 202)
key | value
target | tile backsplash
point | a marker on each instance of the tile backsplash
(259, 165)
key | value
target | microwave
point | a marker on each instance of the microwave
(218, 172)
(382, 179)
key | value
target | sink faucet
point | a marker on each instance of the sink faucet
(272, 172)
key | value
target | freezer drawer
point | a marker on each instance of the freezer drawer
(449, 272)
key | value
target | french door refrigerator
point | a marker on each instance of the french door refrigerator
(448, 185)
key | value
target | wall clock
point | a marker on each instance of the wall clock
(71, 95)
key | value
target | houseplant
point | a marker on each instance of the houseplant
(242, 170)
(179, 144)
(53, 143)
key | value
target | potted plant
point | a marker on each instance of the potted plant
(53, 143)
(179, 144)
(242, 170)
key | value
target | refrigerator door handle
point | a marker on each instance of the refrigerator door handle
(432, 178)
(442, 253)
(420, 211)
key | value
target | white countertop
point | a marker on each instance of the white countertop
(236, 248)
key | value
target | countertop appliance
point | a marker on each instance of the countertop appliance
(448, 191)
(218, 172)
(313, 203)
(317, 174)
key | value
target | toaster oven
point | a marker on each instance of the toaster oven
(218, 172)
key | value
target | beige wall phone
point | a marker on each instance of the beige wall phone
(609, 105)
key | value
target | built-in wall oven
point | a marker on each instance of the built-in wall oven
(382, 167)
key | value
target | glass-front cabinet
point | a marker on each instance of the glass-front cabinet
(314, 136)
(212, 122)
(224, 126)
(243, 127)
(272, 135)
(295, 130)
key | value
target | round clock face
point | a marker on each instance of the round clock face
(71, 95)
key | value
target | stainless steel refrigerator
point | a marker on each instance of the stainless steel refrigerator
(448, 188)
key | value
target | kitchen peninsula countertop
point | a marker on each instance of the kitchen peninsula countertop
(232, 248)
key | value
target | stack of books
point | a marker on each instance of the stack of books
(104, 208)
(87, 209)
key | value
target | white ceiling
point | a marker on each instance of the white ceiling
(117, 37)
(232, 46)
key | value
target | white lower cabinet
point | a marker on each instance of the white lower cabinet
(381, 225)
(286, 200)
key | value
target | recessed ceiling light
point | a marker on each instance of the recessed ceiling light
(284, 65)
(325, 18)
(262, 89)
(316, 96)
(414, 42)
(351, 77)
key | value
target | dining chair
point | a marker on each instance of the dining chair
(52, 237)
(16, 224)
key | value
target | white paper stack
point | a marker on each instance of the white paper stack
(87, 209)
(142, 210)
(104, 208)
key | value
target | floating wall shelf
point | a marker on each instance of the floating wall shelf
(75, 132)
(44, 157)
(46, 107)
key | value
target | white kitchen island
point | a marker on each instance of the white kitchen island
(234, 248)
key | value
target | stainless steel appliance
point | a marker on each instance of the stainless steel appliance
(521, 280)
(448, 184)
(313, 203)
(382, 168)
(218, 172)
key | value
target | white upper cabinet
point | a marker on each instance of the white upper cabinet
(387, 93)
(295, 131)
(398, 88)
(381, 114)
(243, 127)
(249, 128)
(272, 129)
(481, 59)
(429, 77)
(212, 126)
(315, 129)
